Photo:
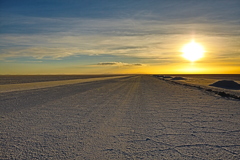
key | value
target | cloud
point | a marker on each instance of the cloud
(119, 64)
(37, 52)
(57, 38)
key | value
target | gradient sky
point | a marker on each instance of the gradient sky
(117, 36)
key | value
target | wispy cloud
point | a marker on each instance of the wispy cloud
(153, 31)
(125, 37)
(37, 52)
(119, 64)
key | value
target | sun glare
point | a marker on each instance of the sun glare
(193, 51)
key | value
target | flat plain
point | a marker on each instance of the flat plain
(135, 117)
(17, 79)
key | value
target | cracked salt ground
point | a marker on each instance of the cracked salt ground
(138, 117)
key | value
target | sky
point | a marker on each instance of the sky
(118, 36)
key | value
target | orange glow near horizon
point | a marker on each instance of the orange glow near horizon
(197, 63)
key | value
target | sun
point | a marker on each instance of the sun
(193, 51)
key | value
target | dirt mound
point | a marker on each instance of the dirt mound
(159, 76)
(178, 78)
(167, 77)
(228, 84)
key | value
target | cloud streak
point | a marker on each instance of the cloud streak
(124, 37)
(119, 64)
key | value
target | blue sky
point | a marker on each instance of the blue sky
(78, 36)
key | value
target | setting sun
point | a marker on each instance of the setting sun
(193, 51)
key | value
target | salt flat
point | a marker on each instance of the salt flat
(37, 85)
(206, 83)
(138, 117)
